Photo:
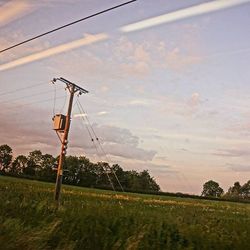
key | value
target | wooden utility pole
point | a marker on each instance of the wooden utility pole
(62, 125)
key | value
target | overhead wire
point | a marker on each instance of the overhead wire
(40, 101)
(85, 123)
(64, 103)
(54, 103)
(109, 160)
(66, 25)
(20, 89)
(13, 100)
(101, 147)
(23, 97)
(55, 94)
(93, 142)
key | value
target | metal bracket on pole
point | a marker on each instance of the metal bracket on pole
(70, 84)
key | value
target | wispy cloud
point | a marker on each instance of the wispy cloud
(212, 139)
(194, 100)
(183, 13)
(88, 39)
(14, 10)
(79, 115)
(102, 113)
(233, 152)
(116, 141)
(239, 167)
(139, 102)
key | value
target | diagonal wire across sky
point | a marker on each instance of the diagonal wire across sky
(192, 11)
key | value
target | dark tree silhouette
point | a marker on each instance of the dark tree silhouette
(5, 157)
(212, 189)
(235, 191)
(77, 171)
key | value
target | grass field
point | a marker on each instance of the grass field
(95, 219)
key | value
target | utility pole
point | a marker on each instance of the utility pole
(61, 126)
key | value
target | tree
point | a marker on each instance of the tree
(104, 175)
(34, 163)
(116, 172)
(88, 173)
(245, 189)
(19, 164)
(133, 180)
(5, 157)
(147, 182)
(77, 171)
(71, 170)
(235, 191)
(46, 170)
(212, 189)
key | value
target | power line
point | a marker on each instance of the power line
(23, 97)
(64, 103)
(101, 147)
(66, 25)
(20, 89)
(93, 142)
(13, 100)
(54, 102)
(40, 101)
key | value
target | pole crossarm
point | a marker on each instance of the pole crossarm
(71, 86)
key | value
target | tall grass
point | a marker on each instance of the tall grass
(94, 219)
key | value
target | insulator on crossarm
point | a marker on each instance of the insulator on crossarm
(53, 81)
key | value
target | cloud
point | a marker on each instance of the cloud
(88, 39)
(24, 133)
(29, 134)
(140, 54)
(126, 151)
(233, 152)
(117, 141)
(139, 69)
(8, 39)
(161, 158)
(239, 167)
(196, 10)
(242, 128)
(176, 60)
(139, 102)
(189, 107)
(79, 115)
(13, 10)
(138, 59)
(208, 139)
(112, 134)
(156, 169)
(194, 101)
(134, 58)
(102, 113)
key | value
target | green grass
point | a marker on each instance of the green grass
(96, 219)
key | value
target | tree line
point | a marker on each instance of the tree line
(78, 171)
(82, 172)
(235, 192)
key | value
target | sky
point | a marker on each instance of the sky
(168, 85)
